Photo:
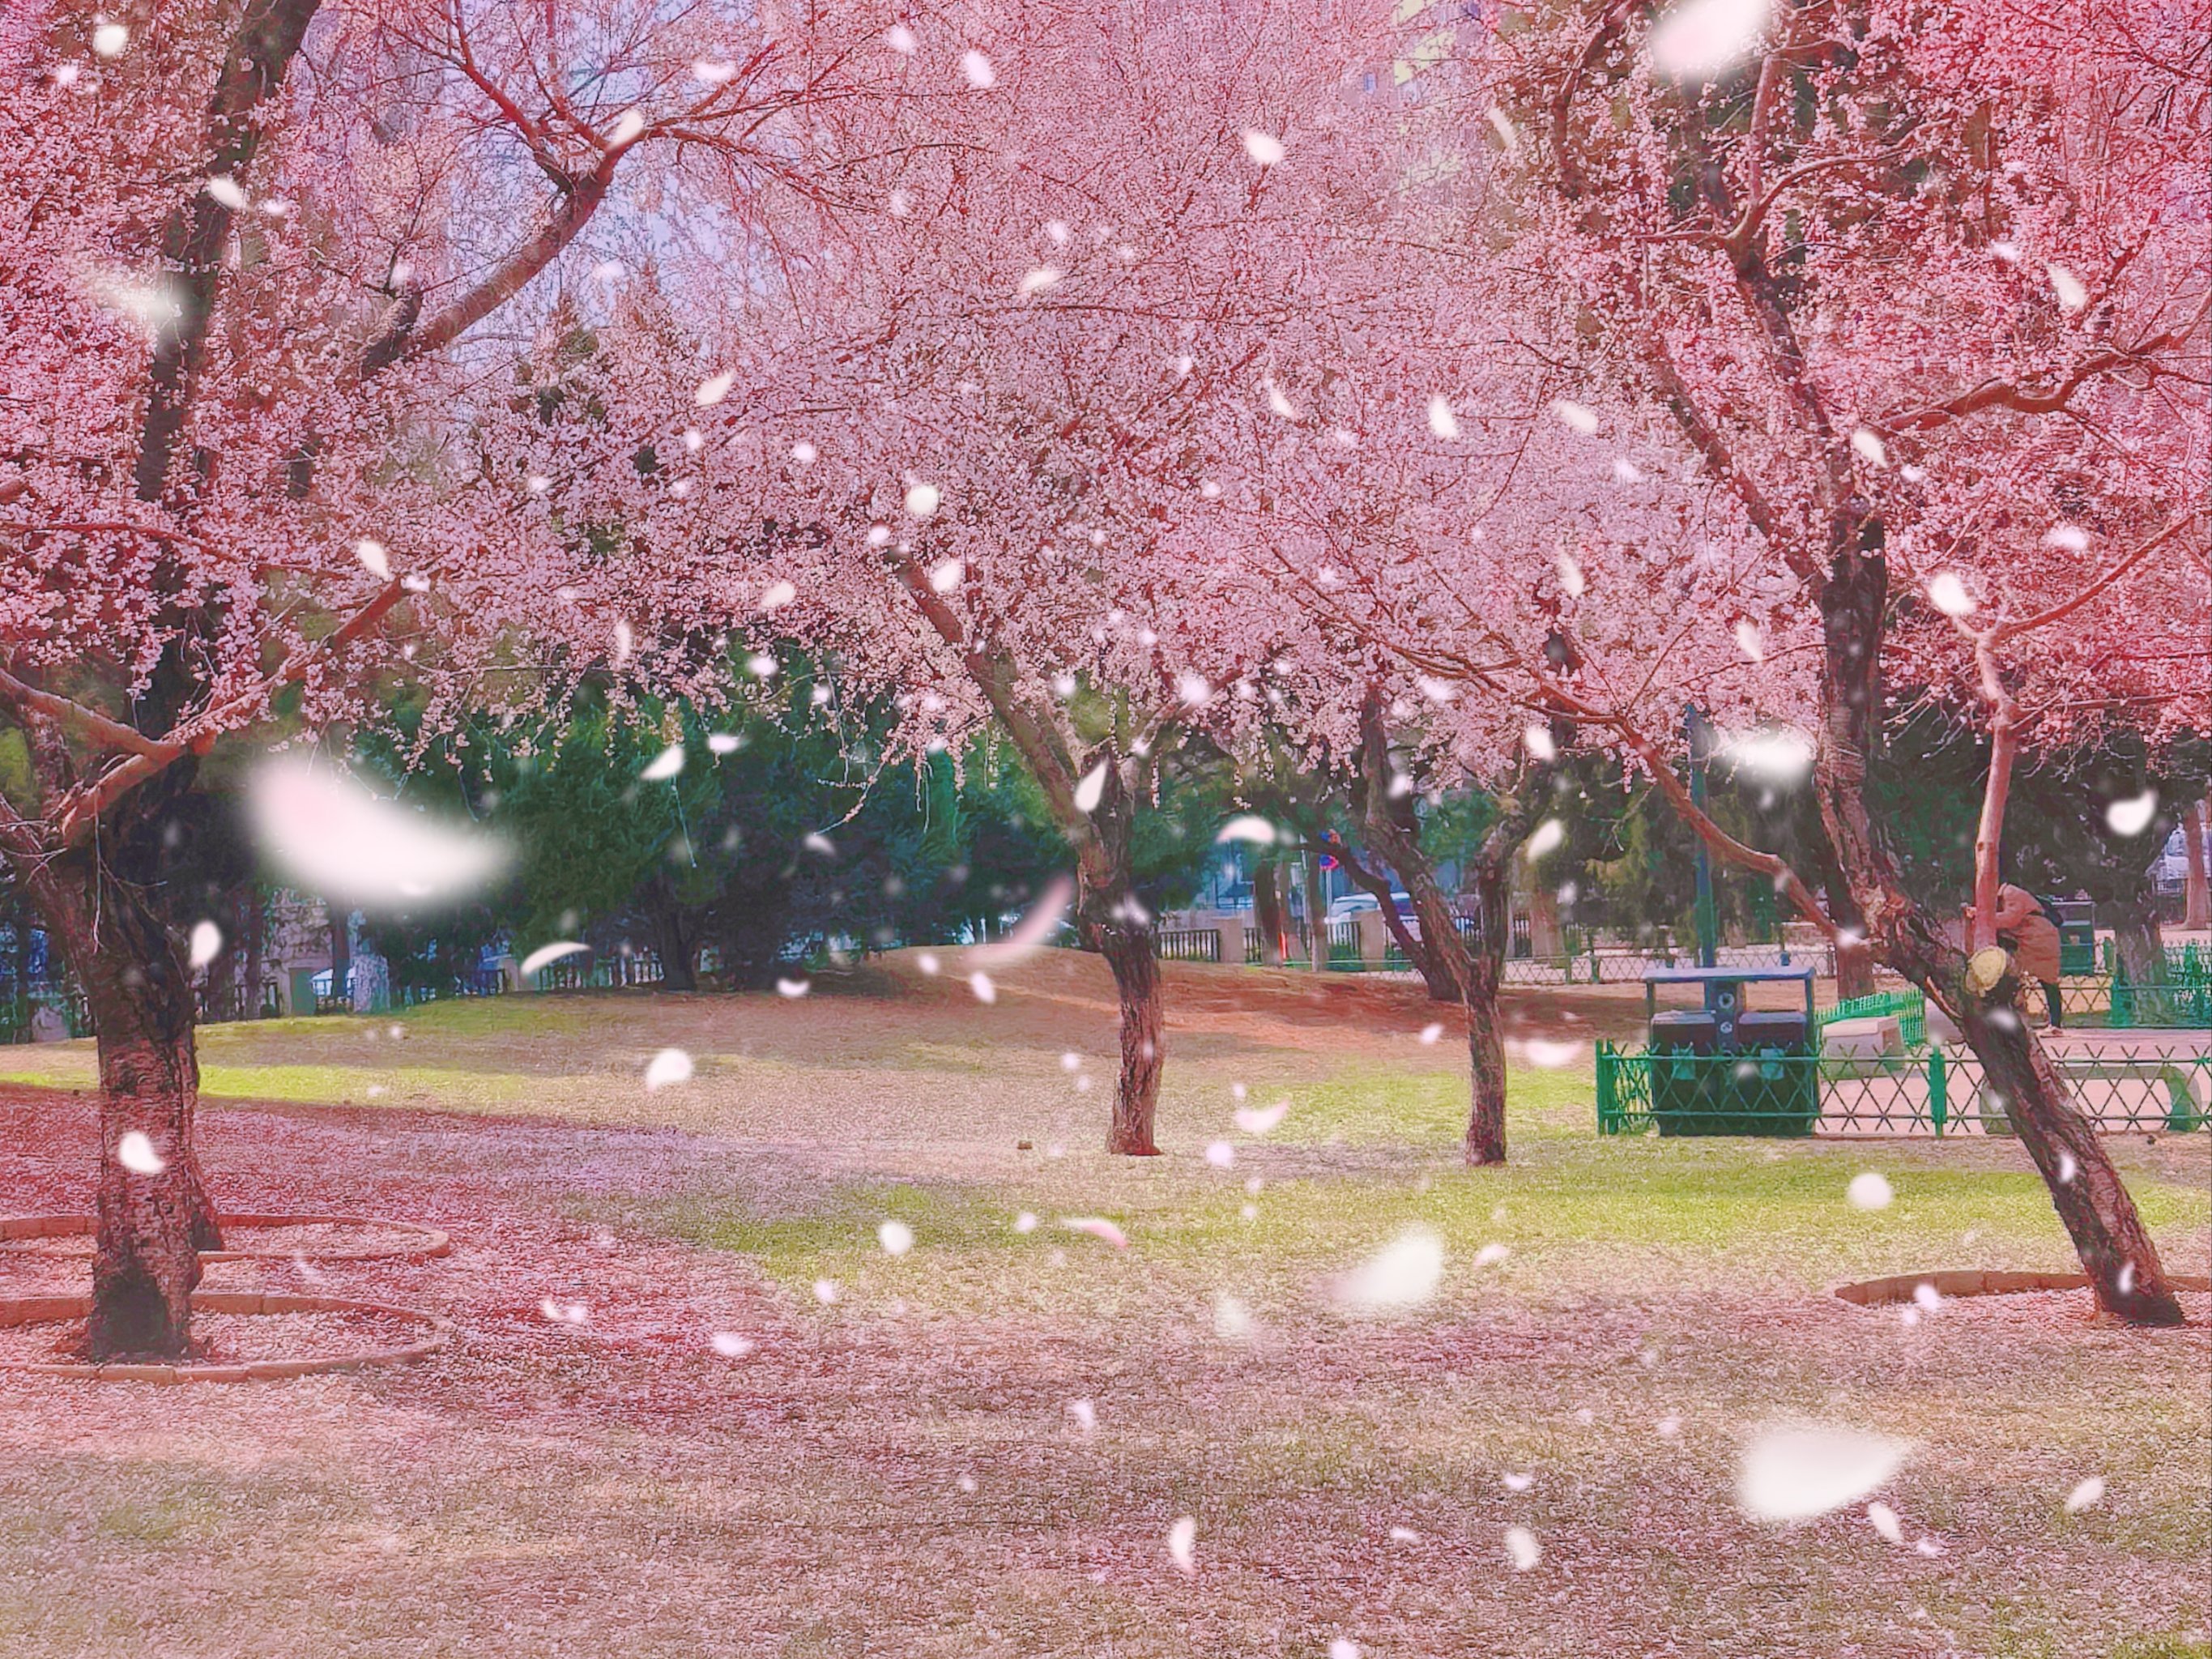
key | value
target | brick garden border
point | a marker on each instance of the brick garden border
(1972, 1281)
(433, 1241)
(38, 1309)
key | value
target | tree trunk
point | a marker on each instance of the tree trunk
(152, 1223)
(1268, 910)
(674, 940)
(1426, 956)
(1854, 953)
(1476, 967)
(2197, 890)
(1127, 948)
(2115, 1250)
(341, 954)
(1316, 916)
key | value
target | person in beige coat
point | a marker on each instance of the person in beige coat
(2034, 936)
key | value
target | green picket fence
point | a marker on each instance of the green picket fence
(1929, 1089)
(1909, 1007)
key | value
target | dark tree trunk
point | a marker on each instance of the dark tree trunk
(2197, 889)
(341, 955)
(1316, 916)
(1127, 948)
(1476, 967)
(1854, 955)
(151, 1225)
(675, 941)
(1268, 910)
(2115, 1250)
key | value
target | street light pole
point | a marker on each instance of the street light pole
(1699, 735)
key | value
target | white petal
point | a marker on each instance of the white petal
(1582, 420)
(373, 560)
(1248, 827)
(2132, 816)
(896, 1237)
(1182, 1542)
(331, 836)
(980, 983)
(666, 764)
(1264, 149)
(206, 943)
(1700, 40)
(1091, 789)
(1794, 1473)
(668, 1066)
(1442, 422)
(136, 1153)
(1868, 1191)
(2088, 1494)
(1949, 594)
(545, 955)
(224, 189)
(711, 391)
(1260, 1119)
(900, 38)
(1883, 1519)
(922, 498)
(1548, 835)
(627, 128)
(2072, 296)
(793, 988)
(1403, 1274)
(776, 595)
(945, 576)
(1870, 447)
(724, 743)
(1538, 739)
(1037, 281)
(1521, 1548)
(978, 71)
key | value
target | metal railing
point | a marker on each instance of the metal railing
(1935, 1089)
(1908, 1007)
(606, 972)
(1187, 944)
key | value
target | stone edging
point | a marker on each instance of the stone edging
(1973, 1281)
(34, 1309)
(433, 1241)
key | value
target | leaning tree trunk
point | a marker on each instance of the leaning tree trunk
(2196, 888)
(153, 1213)
(1854, 953)
(1127, 946)
(2115, 1249)
(1426, 955)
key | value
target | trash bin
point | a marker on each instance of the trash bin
(1776, 1085)
(2077, 947)
(1683, 1044)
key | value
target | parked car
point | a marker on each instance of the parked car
(1353, 904)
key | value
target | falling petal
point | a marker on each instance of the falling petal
(1538, 740)
(1264, 149)
(776, 595)
(2072, 296)
(1247, 827)
(1491, 1254)
(980, 983)
(713, 390)
(1442, 422)
(136, 1153)
(1870, 447)
(373, 560)
(1749, 641)
(1796, 1473)
(2088, 1495)
(724, 743)
(1868, 1191)
(825, 1291)
(1521, 1548)
(818, 844)
(1700, 40)
(206, 943)
(900, 38)
(1182, 1541)
(1220, 1154)
(945, 576)
(1547, 837)
(1091, 789)
(1028, 936)
(1037, 281)
(625, 641)
(1431, 1033)
(665, 765)
(669, 1066)
(1949, 595)
(1097, 1227)
(1571, 577)
(1436, 691)
(226, 191)
(793, 988)
(1550, 1056)
(1403, 1274)
(1261, 1120)
(2132, 816)
(1518, 1482)
(1278, 402)
(1577, 416)
(1084, 1413)
(1883, 1519)
(2070, 536)
(922, 500)
(896, 1237)
(977, 70)
(546, 955)
(729, 1345)
(329, 835)
(714, 71)
(627, 128)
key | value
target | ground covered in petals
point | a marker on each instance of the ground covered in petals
(696, 1405)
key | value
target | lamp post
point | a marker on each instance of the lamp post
(1699, 735)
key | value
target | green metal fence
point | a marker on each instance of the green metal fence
(1931, 1089)
(1909, 1008)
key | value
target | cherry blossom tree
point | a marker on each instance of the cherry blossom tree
(974, 448)
(1894, 340)
(248, 259)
